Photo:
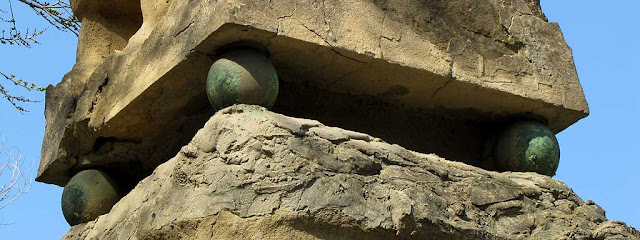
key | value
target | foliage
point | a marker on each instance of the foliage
(57, 14)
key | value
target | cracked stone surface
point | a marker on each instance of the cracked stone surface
(138, 85)
(254, 174)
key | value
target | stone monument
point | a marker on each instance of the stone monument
(197, 112)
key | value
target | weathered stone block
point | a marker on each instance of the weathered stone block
(254, 174)
(443, 68)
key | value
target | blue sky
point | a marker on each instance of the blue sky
(600, 154)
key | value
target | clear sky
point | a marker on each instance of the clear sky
(600, 154)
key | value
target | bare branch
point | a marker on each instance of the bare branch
(14, 172)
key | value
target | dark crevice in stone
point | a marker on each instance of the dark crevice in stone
(415, 129)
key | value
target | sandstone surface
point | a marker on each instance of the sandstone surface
(136, 94)
(254, 174)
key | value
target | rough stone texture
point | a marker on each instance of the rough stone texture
(139, 79)
(254, 174)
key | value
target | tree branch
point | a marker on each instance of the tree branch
(18, 182)
(16, 100)
(62, 20)
(57, 14)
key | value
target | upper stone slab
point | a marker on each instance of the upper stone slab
(140, 77)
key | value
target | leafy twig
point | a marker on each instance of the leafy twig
(16, 100)
(58, 14)
(14, 36)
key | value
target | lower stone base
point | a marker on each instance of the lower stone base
(254, 174)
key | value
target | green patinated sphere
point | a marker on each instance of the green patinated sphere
(527, 146)
(242, 76)
(89, 194)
